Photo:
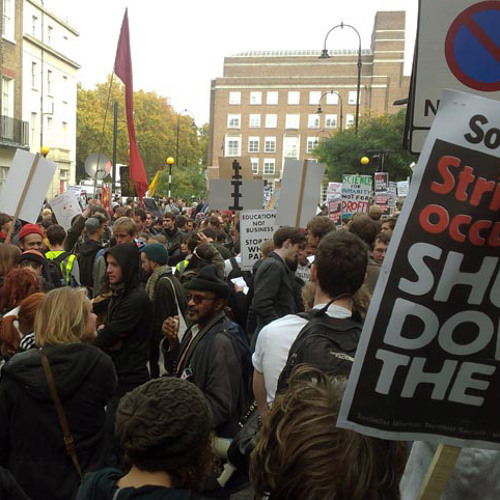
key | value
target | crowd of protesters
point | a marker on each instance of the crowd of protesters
(132, 358)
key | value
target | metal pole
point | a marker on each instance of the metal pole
(169, 180)
(115, 134)
(177, 141)
(359, 85)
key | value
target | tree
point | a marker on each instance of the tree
(342, 152)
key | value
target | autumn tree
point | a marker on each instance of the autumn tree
(342, 152)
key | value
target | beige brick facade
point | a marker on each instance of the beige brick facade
(246, 119)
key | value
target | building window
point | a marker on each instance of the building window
(49, 123)
(7, 97)
(34, 74)
(49, 82)
(65, 89)
(33, 127)
(332, 98)
(233, 120)
(65, 131)
(9, 19)
(255, 165)
(34, 25)
(312, 142)
(50, 31)
(254, 121)
(253, 144)
(313, 121)
(330, 121)
(291, 147)
(314, 97)
(269, 166)
(293, 97)
(272, 97)
(255, 97)
(353, 94)
(271, 121)
(349, 120)
(233, 146)
(292, 121)
(234, 97)
(270, 145)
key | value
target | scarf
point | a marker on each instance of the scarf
(153, 279)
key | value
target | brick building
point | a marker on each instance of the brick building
(265, 106)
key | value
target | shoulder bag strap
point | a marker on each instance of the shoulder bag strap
(68, 438)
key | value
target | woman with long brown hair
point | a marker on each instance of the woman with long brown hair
(9, 257)
(18, 284)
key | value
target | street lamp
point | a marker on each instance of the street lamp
(170, 162)
(364, 161)
(318, 136)
(319, 111)
(325, 55)
(184, 112)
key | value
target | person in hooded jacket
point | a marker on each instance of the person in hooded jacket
(32, 447)
(125, 336)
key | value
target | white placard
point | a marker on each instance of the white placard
(256, 226)
(250, 194)
(16, 180)
(65, 207)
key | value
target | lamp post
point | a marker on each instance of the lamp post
(184, 112)
(325, 55)
(170, 162)
(364, 161)
(318, 136)
(319, 111)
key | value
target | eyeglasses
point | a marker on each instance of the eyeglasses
(197, 299)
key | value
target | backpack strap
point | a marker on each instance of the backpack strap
(61, 257)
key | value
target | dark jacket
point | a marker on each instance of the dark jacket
(274, 291)
(9, 489)
(101, 485)
(173, 245)
(125, 337)
(217, 363)
(88, 251)
(31, 440)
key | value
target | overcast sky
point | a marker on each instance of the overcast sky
(178, 46)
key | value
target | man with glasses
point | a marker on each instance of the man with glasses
(213, 354)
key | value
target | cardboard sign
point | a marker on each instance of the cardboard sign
(220, 196)
(334, 202)
(300, 192)
(226, 168)
(17, 177)
(427, 365)
(356, 192)
(65, 207)
(381, 182)
(402, 188)
(256, 226)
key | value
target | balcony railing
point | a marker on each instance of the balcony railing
(13, 131)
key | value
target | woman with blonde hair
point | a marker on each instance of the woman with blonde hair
(301, 453)
(31, 439)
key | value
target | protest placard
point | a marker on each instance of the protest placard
(65, 207)
(403, 187)
(426, 367)
(36, 180)
(300, 192)
(256, 226)
(381, 182)
(392, 196)
(334, 201)
(356, 192)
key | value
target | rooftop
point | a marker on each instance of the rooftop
(298, 53)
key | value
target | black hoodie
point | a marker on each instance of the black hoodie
(31, 440)
(125, 337)
(88, 250)
(101, 485)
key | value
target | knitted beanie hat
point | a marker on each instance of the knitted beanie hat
(33, 255)
(156, 252)
(207, 280)
(165, 421)
(29, 229)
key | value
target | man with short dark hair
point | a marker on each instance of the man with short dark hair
(380, 247)
(318, 227)
(173, 236)
(338, 271)
(66, 260)
(275, 294)
(139, 220)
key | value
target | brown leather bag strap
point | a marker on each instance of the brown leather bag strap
(68, 438)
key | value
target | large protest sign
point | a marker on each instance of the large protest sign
(381, 182)
(334, 202)
(426, 367)
(403, 187)
(30, 171)
(356, 192)
(65, 207)
(300, 192)
(256, 226)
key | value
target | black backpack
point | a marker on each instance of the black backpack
(55, 274)
(324, 342)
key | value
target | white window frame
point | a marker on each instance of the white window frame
(253, 144)
(34, 25)
(9, 19)
(255, 165)
(312, 142)
(349, 120)
(8, 97)
(332, 98)
(353, 94)
(255, 97)
(329, 119)
(272, 97)
(269, 166)
(314, 97)
(293, 97)
(296, 143)
(234, 120)
(34, 75)
(271, 120)
(292, 121)
(234, 97)
(232, 149)
(254, 120)
(270, 145)
(313, 121)
(49, 81)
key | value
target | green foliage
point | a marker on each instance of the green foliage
(342, 152)
(186, 182)
(155, 126)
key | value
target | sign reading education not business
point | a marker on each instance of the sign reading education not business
(427, 365)
(256, 226)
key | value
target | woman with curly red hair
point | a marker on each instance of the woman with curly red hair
(18, 284)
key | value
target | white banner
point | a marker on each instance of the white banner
(256, 226)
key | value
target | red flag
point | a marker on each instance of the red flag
(123, 70)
